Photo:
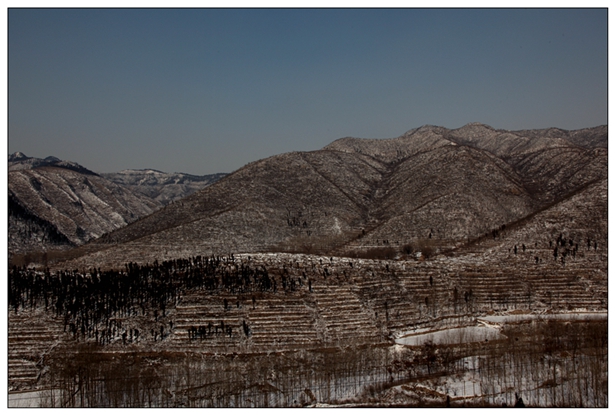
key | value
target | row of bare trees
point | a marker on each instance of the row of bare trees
(91, 302)
(540, 363)
(85, 377)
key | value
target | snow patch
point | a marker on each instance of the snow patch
(458, 335)
(336, 227)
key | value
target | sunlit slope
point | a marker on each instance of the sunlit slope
(79, 205)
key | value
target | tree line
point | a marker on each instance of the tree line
(90, 302)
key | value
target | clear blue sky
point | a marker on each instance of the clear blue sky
(209, 90)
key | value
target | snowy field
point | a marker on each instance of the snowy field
(489, 330)
(458, 335)
(34, 399)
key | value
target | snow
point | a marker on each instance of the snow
(457, 335)
(34, 399)
(337, 228)
(488, 329)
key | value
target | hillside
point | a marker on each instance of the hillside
(431, 186)
(28, 232)
(58, 204)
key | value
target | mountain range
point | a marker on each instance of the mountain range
(431, 189)
(392, 261)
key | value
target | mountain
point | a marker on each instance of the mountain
(19, 161)
(586, 137)
(17, 156)
(59, 204)
(467, 245)
(579, 220)
(431, 187)
(160, 186)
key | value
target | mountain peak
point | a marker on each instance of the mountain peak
(19, 161)
(18, 156)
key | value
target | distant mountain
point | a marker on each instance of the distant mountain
(160, 186)
(431, 186)
(586, 137)
(18, 156)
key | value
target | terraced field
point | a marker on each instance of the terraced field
(316, 304)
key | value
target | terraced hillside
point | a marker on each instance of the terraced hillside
(314, 302)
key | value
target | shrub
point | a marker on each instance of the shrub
(426, 247)
(379, 253)
(407, 249)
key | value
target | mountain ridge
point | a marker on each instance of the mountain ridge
(431, 185)
(160, 186)
(19, 161)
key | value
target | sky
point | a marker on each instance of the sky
(208, 90)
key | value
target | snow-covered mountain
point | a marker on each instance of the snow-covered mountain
(19, 161)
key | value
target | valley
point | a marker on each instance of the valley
(463, 267)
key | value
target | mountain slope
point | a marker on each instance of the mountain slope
(268, 201)
(19, 161)
(445, 186)
(451, 192)
(28, 232)
(76, 203)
